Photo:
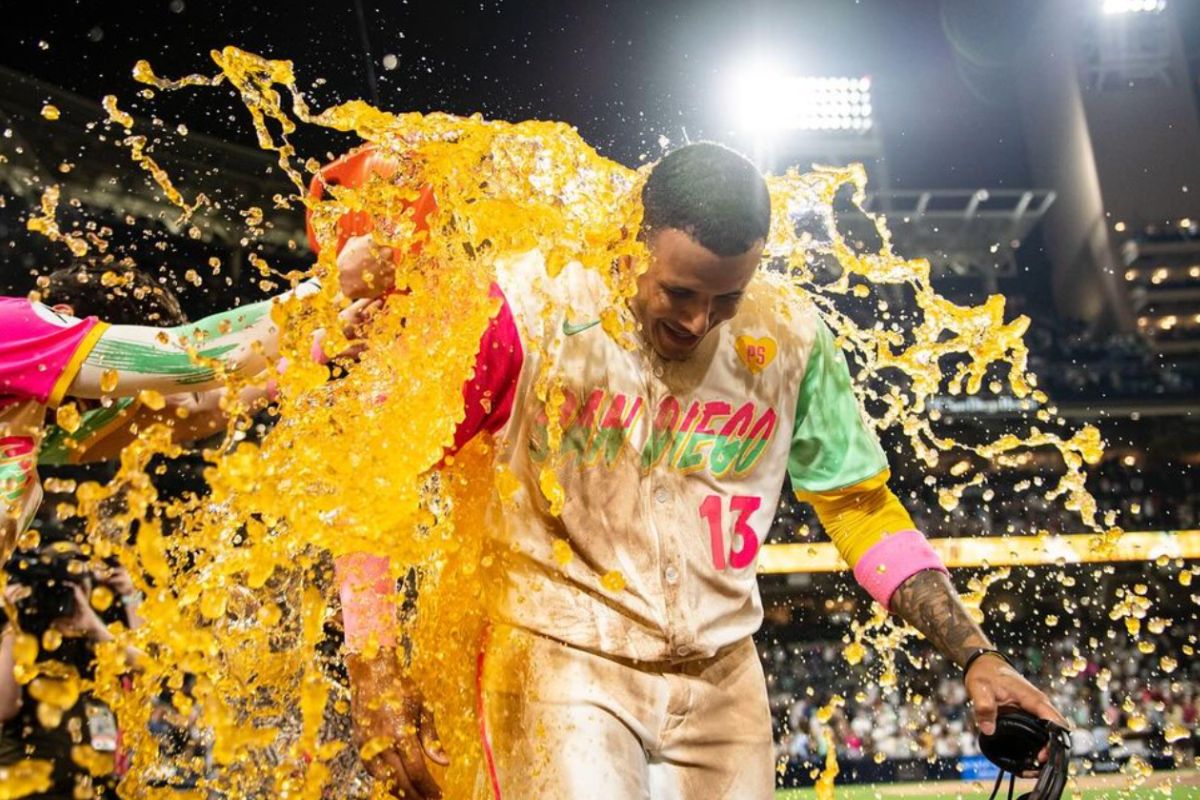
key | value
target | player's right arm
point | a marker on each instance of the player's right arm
(387, 707)
(385, 703)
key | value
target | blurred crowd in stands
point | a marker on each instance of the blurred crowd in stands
(1074, 365)
(1121, 699)
(1144, 497)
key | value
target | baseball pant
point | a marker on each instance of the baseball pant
(567, 724)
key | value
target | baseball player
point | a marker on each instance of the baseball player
(619, 661)
(48, 355)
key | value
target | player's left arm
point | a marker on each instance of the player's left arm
(929, 602)
(837, 466)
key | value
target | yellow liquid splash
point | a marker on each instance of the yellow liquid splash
(239, 586)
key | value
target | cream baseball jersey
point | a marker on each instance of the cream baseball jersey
(671, 470)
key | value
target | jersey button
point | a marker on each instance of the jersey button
(682, 650)
(662, 495)
(671, 574)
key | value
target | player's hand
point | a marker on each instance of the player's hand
(354, 321)
(365, 270)
(994, 686)
(394, 727)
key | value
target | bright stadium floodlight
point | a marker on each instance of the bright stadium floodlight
(1132, 6)
(764, 101)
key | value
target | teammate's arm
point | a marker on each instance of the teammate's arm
(191, 416)
(384, 702)
(10, 691)
(104, 432)
(188, 357)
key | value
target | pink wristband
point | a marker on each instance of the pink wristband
(366, 588)
(893, 560)
(317, 353)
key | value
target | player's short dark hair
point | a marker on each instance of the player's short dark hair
(713, 194)
(117, 294)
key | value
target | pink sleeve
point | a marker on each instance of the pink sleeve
(489, 394)
(893, 560)
(366, 589)
(41, 350)
(364, 583)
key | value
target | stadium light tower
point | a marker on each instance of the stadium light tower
(1133, 6)
(766, 102)
(784, 118)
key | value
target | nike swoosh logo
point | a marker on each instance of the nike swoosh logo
(571, 330)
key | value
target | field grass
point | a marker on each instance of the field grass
(971, 792)
(974, 790)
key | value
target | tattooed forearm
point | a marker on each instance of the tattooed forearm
(929, 603)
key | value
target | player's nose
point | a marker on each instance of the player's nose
(697, 320)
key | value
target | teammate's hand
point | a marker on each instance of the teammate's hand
(354, 321)
(354, 317)
(393, 727)
(365, 270)
(993, 686)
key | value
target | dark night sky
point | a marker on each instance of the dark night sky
(623, 72)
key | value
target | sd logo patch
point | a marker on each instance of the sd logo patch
(755, 353)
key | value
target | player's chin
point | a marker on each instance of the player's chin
(674, 345)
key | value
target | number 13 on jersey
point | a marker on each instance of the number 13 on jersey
(741, 507)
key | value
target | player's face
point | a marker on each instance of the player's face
(688, 290)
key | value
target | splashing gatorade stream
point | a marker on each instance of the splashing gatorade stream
(239, 584)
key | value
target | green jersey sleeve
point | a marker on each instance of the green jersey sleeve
(832, 445)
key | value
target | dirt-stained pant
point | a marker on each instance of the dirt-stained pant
(566, 724)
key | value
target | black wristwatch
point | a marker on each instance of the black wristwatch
(983, 651)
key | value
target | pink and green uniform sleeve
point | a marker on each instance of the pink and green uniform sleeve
(40, 353)
(41, 350)
(837, 465)
(241, 339)
(18, 473)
